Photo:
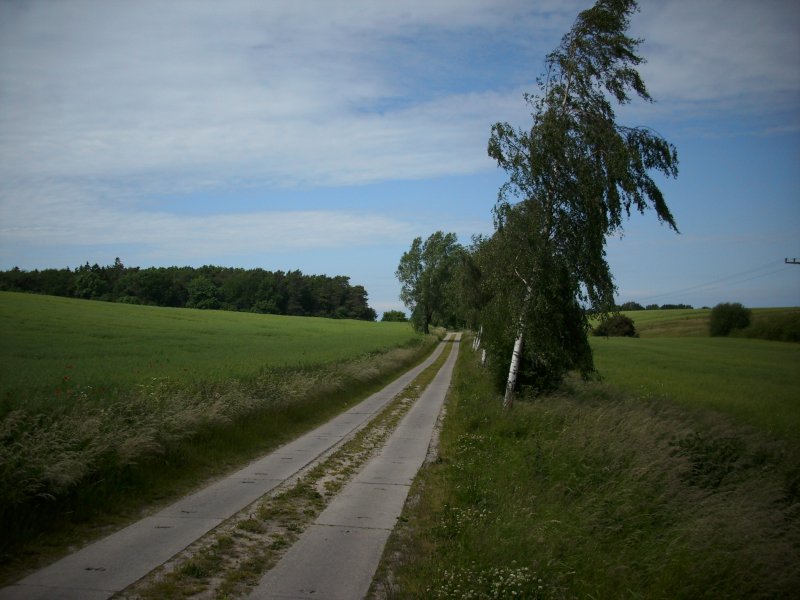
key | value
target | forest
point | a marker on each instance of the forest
(206, 287)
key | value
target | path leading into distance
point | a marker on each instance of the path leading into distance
(357, 522)
(336, 557)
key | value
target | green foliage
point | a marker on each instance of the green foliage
(209, 287)
(554, 323)
(631, 306)
(426, 273)
(616, 326)
(727, 317)
(574, 174)
(394, 316)
(202, 293)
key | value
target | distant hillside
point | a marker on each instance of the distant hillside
(694, 322)
(208, 287)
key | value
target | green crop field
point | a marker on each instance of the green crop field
(50, 344)
(755, 381)
(692, 322)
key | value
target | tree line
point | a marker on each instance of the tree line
(574, 175)
(206, 287)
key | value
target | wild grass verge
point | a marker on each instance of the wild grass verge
(68, 474)
(592, 493)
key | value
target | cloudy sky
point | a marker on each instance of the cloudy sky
(324, 135)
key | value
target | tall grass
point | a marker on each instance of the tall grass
(594, 493)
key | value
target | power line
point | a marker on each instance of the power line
(727, 279)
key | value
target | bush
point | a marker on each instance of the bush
(727, 317)
(616, 326)
(394, 316)
(778, 328)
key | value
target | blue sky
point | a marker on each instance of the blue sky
(325, 135)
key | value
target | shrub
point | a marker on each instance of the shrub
(778, 328)
(727, 317)
(616, 326)
(394, 316)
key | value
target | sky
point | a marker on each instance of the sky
(325, 135)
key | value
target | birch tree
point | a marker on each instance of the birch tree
(426, 274)
(574, 175)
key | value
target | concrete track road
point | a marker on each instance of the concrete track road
(336, 557)
(110, 565)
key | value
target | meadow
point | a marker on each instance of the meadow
(48, 341)
(676, 476)
(108, 408)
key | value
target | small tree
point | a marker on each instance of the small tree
(426, 273)
(202, 293)
(394, 316)
(727, 317)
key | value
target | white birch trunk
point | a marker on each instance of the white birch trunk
(516, 355)
(476, 343)
(508, 401)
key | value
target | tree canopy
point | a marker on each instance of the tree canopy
(574, 174)
(207, 287)
(426, 273)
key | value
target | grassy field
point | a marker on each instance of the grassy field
(690, 322)
(108, 408)
(755, 381)
(46, 339)
(671, 479)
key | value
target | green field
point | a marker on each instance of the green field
(46, 339)
(677, 476)
(755, 381)
(108, 408)
(691, 322)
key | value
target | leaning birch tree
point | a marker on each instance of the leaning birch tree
(574, 175)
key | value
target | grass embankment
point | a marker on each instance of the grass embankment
(108, 408)
(611, 491)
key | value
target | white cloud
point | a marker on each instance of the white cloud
(107, 106)
(721, 57)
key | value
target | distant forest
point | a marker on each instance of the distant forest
(208, 287)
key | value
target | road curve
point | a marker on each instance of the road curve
(336, 557)
(110, 565)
